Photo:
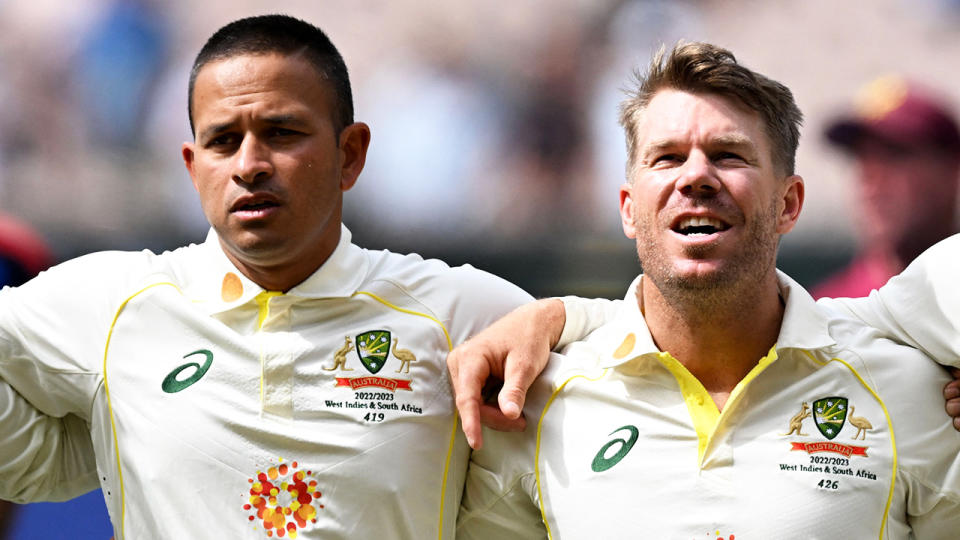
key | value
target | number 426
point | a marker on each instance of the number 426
(828, 484)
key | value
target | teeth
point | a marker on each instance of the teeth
(701, 221)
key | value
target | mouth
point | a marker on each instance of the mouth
(698, 226)
(254, 203)
(255, 207)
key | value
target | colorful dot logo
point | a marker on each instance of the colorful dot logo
(283, 501)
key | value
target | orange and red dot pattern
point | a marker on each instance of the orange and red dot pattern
(283, 500)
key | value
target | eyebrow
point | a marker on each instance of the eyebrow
(213, 130)
(733, 139)
(284, 120)
(275, 120)
(727, 140)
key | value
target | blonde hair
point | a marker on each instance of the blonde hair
(702, 68)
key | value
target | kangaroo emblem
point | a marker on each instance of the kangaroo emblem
(340, 357)
(405, 357)
(796, 423)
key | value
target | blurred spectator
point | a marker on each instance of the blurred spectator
(118, 63)
(24, 254)
(434, 127)
(906, 144)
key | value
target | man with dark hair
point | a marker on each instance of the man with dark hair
(286, 36)
(718, 399)
(276, 380)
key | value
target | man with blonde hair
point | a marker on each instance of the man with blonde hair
(718, 399)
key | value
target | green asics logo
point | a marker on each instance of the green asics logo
(172, 385)
(601, 462)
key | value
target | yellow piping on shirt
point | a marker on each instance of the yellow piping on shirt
(453, 431)
(106, 387)
(263, 303)
(536, 455)
(893, 440)
(263, 311)
(417, 313)
(703, 410)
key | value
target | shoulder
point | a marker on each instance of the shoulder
(458, 293)
(928, 282)
(884, 360)
(931, 277)
(414, 272)
(95, 273)
(102, 278)
(908, 384)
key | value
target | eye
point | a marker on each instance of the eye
(667, 159)
(223, 140)
(281, 132)
(728, 156)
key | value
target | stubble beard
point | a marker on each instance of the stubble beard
(732, 285)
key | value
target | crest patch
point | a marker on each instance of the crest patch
(829, 414)
(373, 347)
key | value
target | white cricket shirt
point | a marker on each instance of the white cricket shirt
(219, 410)
(920, 306)
(836, 433)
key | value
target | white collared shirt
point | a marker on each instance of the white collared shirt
(219, 410)
(836, 433)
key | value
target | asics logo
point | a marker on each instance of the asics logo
(602, 462)
(171, 384)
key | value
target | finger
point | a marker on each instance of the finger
(519, 373)
(469, 412)
(468, 379)
(492, 417)
(951, 390)
(953, 407)
(956, 423)
(954, 372)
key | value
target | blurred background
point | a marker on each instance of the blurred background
(495, 135)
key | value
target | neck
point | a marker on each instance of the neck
(719, 334)
(282, 273)
(278, 278)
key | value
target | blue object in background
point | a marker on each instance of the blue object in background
(118, 62)
(83, 518)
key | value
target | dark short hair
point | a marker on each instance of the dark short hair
(702, 68)
(281, 34)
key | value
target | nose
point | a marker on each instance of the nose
(252, 161)
(698, 176)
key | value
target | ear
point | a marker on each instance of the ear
(354, 141)
(792, 203)
(626, 211)
(187, 150)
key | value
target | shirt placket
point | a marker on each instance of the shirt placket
(276, 357)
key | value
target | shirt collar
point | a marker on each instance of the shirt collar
(216, 285)
(805, 326)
